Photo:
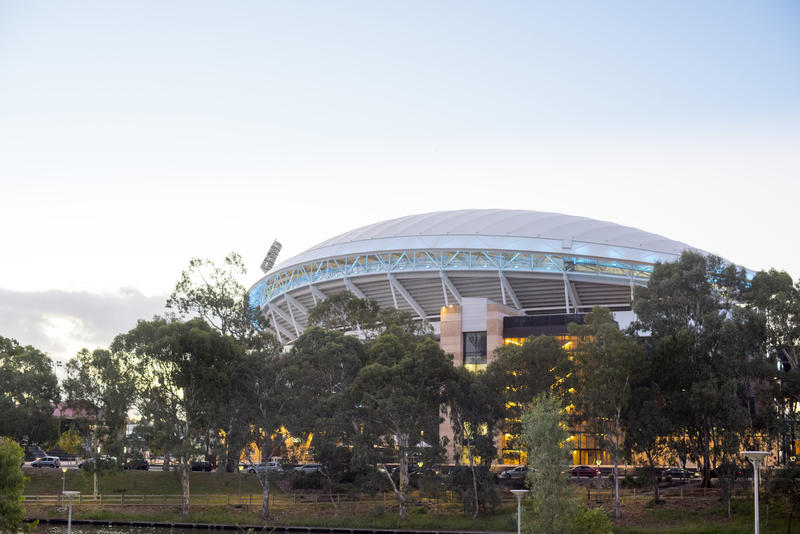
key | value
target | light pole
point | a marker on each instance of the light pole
(240, 483)
(69, 495)
(598, 462)
(756, 457)
(519, 493)
(63, 482)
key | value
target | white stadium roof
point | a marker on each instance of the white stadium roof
(538, 262)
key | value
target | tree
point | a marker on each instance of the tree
(346, 313)
(12, 485)
(400, 392)
(100, 385)
(706, 352)
(215, 293)
(784, 484)
(647, 426)
(519, 373)
(474, 410)
(607, 362)
(319, 373)
(545, 433)
(179, 369)
(28, 393)
(775, 295)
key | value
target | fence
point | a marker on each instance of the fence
(279, 500)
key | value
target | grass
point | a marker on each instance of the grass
(692, 515)
(48, 482)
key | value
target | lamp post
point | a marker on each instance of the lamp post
(755, 457)
(240, 484)
(69, 495)
(598, 462)
(63, 479)
(519, 493)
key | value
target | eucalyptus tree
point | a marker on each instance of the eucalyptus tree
(100, 386)
(179, 369)
(707, 352)
(215, 293)
(520, 372)
(400, 392)
(775, 295)
(607, 363)
(29, 393)
(474, 409)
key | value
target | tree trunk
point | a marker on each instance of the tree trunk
(402, 492)
(185, 486)
(165, 466)
(265, 503)
(95, 482)
(475, 502)
(617, 510)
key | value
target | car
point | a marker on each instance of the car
(521, 471)
(584, 471)
(309, 469)
(201, 465)
(138, 464)
(105, 461)
(263, 467)
(46, 461)
(679, 473)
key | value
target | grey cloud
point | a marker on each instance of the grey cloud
(89, 319)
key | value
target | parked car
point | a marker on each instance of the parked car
(201, 465)
(105, 461)
(139, 464)
(46, 461)
(584, 471)
(263, 467)
(309, 469)
(679, 473)
(521, 471)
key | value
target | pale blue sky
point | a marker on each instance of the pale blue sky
(136, 135)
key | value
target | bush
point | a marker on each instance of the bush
(12, 484)
(592, 521)
(301, 481)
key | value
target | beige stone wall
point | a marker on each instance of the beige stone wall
(450, 333)
(494, 326)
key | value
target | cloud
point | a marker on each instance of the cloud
(62, 322)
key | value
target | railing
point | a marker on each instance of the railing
(281, 500)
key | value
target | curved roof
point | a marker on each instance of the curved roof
(499, 229)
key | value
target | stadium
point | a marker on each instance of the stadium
(534, 262)
(481, 278)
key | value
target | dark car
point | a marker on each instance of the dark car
(201, 465)
(138, 464)
(584, 471)
(106, 462)
(678, 473)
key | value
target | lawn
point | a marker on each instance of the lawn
(691, 515)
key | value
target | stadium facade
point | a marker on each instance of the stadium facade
(481, 278)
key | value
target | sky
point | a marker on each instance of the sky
(135, 136)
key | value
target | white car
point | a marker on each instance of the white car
(309, 469)
(46, 461)
(264, 467)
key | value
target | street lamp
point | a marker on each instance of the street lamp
(240, 484)
(63, 479)
(598, 462)
(70, 495)
(755, 457)
(519, 494)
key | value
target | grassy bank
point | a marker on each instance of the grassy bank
(48, 482)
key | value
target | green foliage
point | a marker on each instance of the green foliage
(303, 482)
(12, 485)
(544, 431)
(706, 352)
(28, 393)
(519, 373)
(784, 485)
(592, 521)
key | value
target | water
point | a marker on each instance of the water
(61, 528)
